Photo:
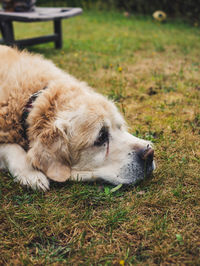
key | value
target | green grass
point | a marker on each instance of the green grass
(152, 71)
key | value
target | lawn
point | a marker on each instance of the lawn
(152, 72)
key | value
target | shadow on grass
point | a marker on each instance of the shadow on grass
(100, 185)
(47, 50)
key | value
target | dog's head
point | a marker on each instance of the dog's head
(87, 139)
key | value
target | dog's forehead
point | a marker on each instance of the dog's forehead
(91, 114)
(103, 113)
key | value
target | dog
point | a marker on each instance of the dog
(53, 126)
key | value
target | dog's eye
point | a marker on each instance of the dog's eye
(103, 137)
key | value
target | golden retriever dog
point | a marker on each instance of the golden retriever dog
(53, 126)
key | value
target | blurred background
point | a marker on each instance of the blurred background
(186, 9)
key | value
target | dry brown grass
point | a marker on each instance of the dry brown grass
(156, 84)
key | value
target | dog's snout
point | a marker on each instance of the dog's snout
(146, 154)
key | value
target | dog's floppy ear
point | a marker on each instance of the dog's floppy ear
(58, 171)
(50, 154)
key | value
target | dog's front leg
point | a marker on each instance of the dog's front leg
(14, 158)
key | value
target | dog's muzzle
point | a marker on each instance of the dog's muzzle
(140, 165)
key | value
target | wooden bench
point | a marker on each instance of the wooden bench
(39, 14)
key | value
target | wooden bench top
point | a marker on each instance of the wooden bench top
(40, 14)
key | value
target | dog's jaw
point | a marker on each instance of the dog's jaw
(128, 174)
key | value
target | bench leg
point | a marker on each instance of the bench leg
(7, 32)
(2, 30)
(58, 33)
(2, 33)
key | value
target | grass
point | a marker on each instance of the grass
(152, 71)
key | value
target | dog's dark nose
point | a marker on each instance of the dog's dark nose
(146, 154)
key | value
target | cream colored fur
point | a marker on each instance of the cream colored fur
(63, 126)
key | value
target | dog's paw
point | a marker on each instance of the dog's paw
(34, 179)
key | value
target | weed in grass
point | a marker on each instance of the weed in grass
(178, 191)
(117, 92)
(161, 223)
(159, 47)
(149, 135)
(179, 239)
(49, 250)
(114, 218)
